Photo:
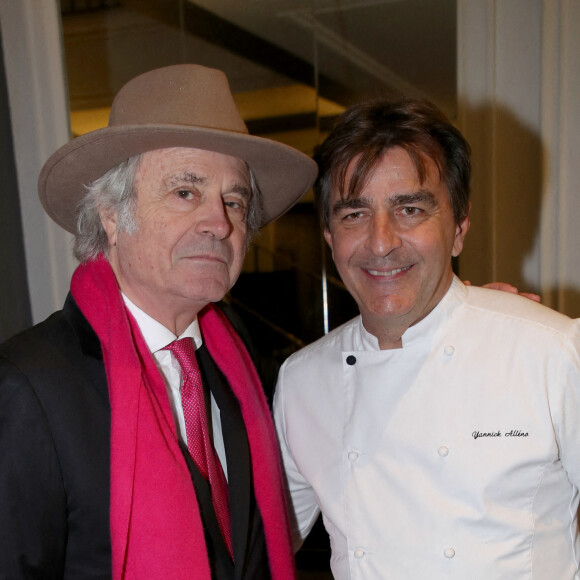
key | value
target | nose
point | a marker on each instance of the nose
(383, 237)
(212, 218)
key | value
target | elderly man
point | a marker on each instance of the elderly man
(112, 462)
(438, 432)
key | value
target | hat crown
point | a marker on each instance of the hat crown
(183, 94)
(182, 105)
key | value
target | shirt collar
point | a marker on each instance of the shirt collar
(424, 329)
(155, 334)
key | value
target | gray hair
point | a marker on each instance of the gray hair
(115, 193)
(255, 214)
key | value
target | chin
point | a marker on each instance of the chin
(212, 294)
(194, 291)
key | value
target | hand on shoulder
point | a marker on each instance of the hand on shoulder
(505, 287)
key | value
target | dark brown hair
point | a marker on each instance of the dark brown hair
(371, 128)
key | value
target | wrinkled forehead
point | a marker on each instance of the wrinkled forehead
(193, 154)
(176, 164)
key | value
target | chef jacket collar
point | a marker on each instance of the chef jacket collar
(424, 329)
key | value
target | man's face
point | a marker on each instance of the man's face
(189, 246)
(393, 244)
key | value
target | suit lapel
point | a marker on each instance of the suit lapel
(88, 339)
(242, 504)
(94, 368)
(237, 455)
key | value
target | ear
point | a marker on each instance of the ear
(461, 230)
(328, 238)
(109, 221)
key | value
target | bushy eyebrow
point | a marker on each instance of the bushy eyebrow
(422, 196)
(401, 199)
(241, 189)
(350, 203)
(193, 178)
(186, 177)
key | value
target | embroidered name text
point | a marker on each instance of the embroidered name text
(512, 433)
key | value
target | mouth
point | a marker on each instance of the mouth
(387, 273)
(207, 258)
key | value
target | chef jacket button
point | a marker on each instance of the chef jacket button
(443, 451)
(353, 455)
(449, 350)
(359, 553)
(449, 553)
(350, 360)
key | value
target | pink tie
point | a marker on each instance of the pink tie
(199, 444)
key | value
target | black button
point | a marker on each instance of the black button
(350, 360)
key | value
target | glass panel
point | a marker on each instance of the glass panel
(293, 66)
(367, 47)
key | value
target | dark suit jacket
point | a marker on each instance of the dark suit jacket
(55, 463)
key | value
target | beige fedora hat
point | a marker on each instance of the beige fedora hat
(184, 105)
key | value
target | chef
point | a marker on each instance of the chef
(439, 431)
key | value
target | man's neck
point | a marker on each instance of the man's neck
(156, 335)
(176, 322)
(390, 329)
(388, 343)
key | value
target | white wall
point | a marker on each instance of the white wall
(38, 104)
(518, 88)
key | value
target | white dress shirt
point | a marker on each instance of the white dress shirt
(454, 457)
(158, 337)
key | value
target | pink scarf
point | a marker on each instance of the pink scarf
(156, 529)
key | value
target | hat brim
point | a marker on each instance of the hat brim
(283, 174)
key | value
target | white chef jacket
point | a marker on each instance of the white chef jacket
(454, 457)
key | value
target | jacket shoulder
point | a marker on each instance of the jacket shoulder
(520, 311)
(55, 417)
(63, 334)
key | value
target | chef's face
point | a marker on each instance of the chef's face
(393, 243)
